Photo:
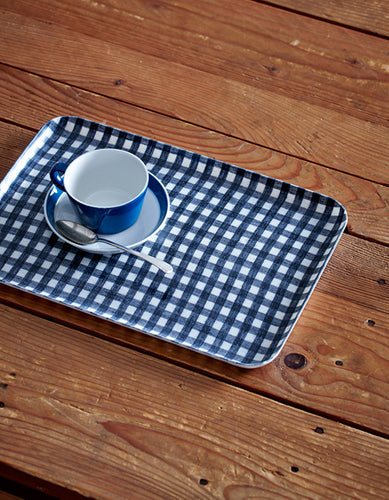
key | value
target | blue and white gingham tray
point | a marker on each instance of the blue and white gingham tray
(247, 250)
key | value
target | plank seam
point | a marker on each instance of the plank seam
(322, 19)
(247, 141)
(185, 366)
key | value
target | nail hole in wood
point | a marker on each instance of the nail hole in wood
(338, 362)
(294, 468)
(319, 430)
(203, 482)
(370, 322)
(381, 281)
(2, 404)
(295, 361)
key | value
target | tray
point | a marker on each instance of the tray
(247, 250)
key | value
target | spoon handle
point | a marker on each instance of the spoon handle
(163, 266)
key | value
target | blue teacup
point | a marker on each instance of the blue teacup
(107, 187)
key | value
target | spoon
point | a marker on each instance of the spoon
(82, 235)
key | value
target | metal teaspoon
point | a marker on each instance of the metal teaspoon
(82, 235)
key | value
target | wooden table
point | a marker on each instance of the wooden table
(296, 90)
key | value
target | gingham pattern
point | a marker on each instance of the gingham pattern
(246, 249)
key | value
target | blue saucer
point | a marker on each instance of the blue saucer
(152, 218)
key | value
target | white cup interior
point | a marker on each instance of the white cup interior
(106, 178)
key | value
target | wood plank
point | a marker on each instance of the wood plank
(362, 274)
(368, 16)
(116, 421)
(40, 99)
(119, 412)
(343, 340)
(237, 39)
(13, 141)
(335, 137)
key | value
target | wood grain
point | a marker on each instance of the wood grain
(237, 39)
(368, 16)
(324, 128)
(336, 326)
(107, 432)
(40, 99)
(362, 274)
(295, 90)
(355, 282)
(13, 141)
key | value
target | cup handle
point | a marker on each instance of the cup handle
(56, 175)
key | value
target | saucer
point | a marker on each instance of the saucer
(151, 219)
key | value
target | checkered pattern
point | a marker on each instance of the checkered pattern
(247, 250)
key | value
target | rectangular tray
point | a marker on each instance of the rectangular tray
(247, 250)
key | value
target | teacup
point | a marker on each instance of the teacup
(106, 186)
